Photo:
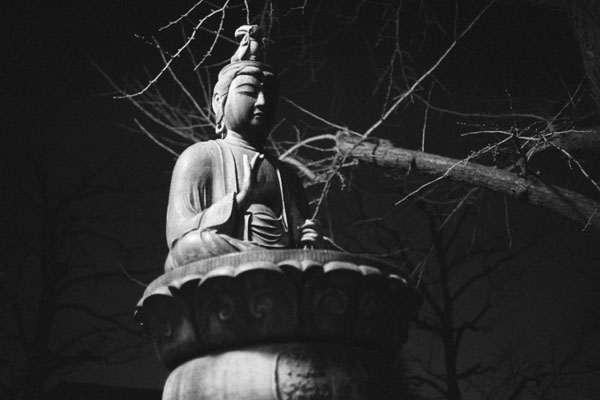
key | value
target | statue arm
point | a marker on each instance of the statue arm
(194, 188)
(304, 230)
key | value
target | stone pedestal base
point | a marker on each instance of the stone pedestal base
(280, 324)
(288, 371)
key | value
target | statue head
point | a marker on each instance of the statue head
(245, 95)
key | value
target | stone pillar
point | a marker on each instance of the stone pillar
(279, 325)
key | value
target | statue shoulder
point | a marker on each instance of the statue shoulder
(198, 155)
(196, 163)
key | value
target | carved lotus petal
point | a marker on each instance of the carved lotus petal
(274, 296)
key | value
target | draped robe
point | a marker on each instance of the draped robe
(203, 218)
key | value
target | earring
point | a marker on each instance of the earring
(220, 129)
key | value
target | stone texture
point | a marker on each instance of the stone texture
(289, 295)
(287, 371)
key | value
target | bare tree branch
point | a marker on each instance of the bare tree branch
(564, 202)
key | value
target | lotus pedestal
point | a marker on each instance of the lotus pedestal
(279, 325)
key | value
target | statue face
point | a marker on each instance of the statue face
(250, 105)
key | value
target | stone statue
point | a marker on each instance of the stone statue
(228, 195)
(271, 320)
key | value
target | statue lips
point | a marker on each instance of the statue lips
(258, 115)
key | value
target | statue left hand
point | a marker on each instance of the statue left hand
(310, 234)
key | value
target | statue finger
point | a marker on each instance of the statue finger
(256, 161)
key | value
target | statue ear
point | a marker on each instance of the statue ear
(218, 105)
(216, 102)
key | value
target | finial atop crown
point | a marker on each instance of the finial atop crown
(251, 45)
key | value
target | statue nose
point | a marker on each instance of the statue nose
(260, 99)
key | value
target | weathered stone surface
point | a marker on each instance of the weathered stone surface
(287, 371)
(274, 296)
(231, 194)
(233, 320)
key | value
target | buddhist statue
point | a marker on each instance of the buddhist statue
(250, 307)
(229, 195)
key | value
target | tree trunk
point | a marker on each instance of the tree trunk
(531, 190)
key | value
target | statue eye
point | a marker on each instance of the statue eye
(248, 89)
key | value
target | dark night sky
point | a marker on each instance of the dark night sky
(51, 93)
(56, 107)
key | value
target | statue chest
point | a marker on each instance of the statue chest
(267, 189)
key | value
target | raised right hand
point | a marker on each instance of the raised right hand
(249, 180)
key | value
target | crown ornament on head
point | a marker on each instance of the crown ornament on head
(250, 51)
(250, 38)
(248, 58)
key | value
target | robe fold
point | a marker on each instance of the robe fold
(203, 219)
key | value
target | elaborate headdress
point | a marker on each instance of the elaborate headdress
(248, 58)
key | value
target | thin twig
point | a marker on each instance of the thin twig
(457, 207)
(247, 12)
(184, 88)
(425, 120)
(289, 151)
(178, 53)
(417, 83)
(216, 39)
(579, 166)
(481, 115)
(154, 139)
(182, 16)
(131, 277)
(506, 222)
(317, 117)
